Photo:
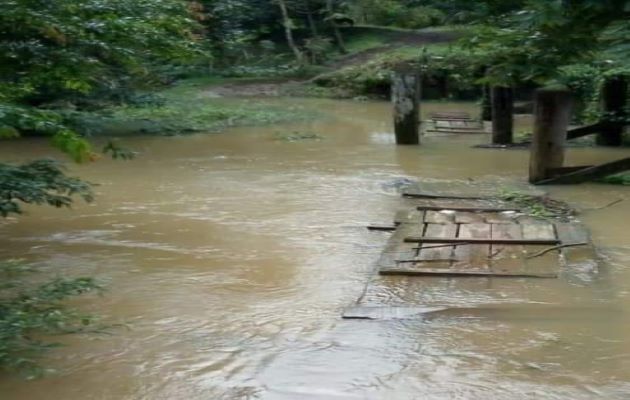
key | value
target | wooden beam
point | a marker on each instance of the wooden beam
(552, 112)
(468, 209)
(589, 174)
(566, 170)
(585, 130)
(463, 273)
(406, 101)
(416, 195)
(425, 239)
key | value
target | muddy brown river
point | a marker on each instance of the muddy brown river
(230, 257)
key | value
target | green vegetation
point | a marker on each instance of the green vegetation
(537, 206)
(618, 179)
(31, 311)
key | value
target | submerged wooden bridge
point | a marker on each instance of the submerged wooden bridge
(463, 237)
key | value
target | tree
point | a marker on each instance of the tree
(288, 30)
(74, 52)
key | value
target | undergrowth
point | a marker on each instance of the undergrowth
(31, 312)
(538, 206)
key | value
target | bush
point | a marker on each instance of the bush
(29, 310)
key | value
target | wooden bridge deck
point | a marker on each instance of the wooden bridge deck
(460, 237)
(455, 122)
(486, 242)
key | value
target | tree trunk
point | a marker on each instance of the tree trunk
(406, 101)
(552, 113)
(330, 10)
(614, 98)
(311, 20)
(502, 115)
(286, 21)
(486, 104)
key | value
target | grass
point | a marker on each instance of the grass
(188, 108)
(617, 179)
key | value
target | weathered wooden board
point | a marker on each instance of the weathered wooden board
(468, 209)
(469, 218)
(475, 237)
(364, 312)
(506, 258)
(540, 263)
(475, 256)
(437, 255)
(572, 233)
(439, 217)
(481, 240)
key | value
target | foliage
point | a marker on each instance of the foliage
(174, 115)
(537, 206)
(58, 55)
(450, 63)
(16, 120)
(40, 182)
(28, 311)
(618, 179)
(71, 48)
(532, 44)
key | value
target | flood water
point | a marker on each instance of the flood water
(230, 257)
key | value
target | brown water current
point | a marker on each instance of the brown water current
(230, 258)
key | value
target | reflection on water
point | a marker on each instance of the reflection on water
(231, 257)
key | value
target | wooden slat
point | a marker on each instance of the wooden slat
(475, 256)
(408, 216)
(575, 233)
(440, 256)
(479, 240)
(469, 218)
(506, 258)
(465, 273)
(589, 174)
(500, 218)
(419, 195)
(437, 217)
(364, 312)
(547, 263)
(467, 209)
(396, 248)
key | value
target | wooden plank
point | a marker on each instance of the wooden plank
(438, 217)
(467, 209)
(506, 258)
(366, 312)
(474, 256)
(418, 195)
(576, 233)
(469, 218)
(442, 130)
(464, 273)
(566, 170)
(440, 256)
(396, 248)
(501, 218)
(547, 263)
(408, 216)
(586, 130)
(589, 174)
(481, 240)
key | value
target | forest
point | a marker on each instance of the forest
(87, 75)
